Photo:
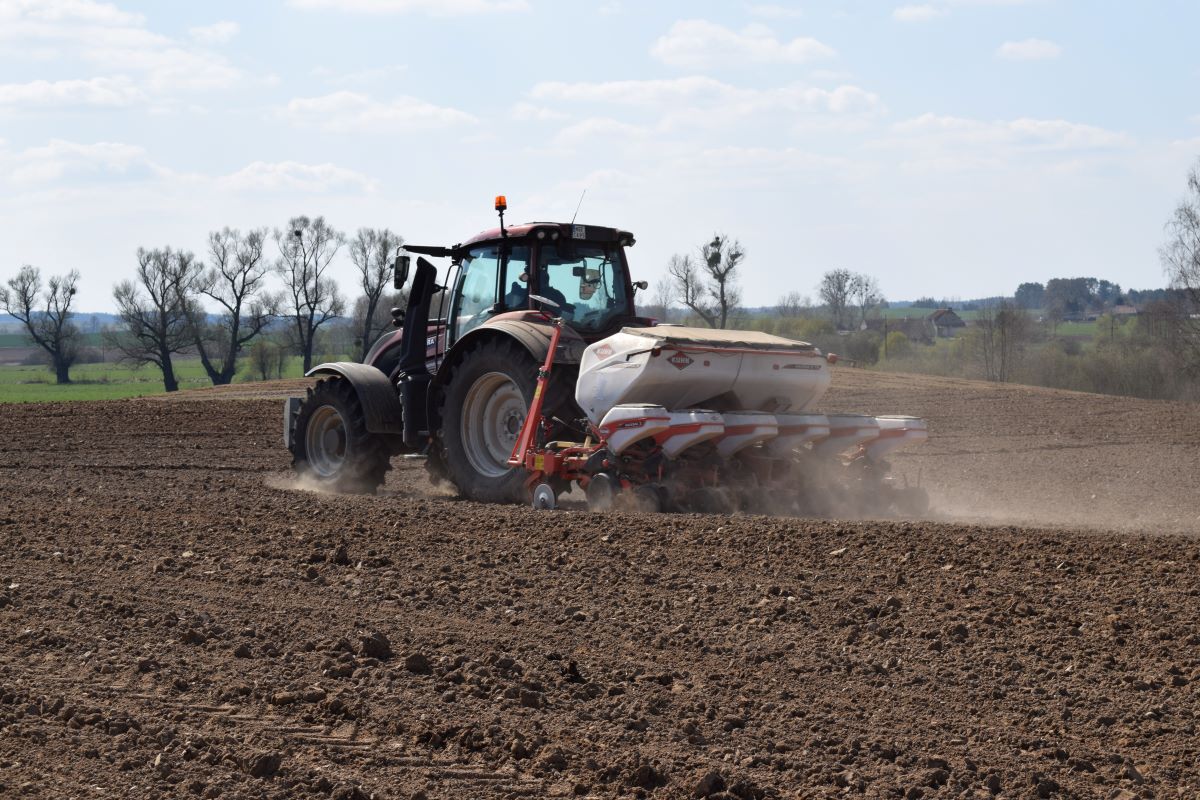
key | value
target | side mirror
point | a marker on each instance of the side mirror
(400, 276)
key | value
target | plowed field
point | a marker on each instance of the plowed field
(177, 619)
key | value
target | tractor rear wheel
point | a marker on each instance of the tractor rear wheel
(486, 401)
(331, 445)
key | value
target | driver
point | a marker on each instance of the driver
(518, 292)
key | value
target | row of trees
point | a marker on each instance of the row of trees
(1061, 297)
(175, 303)
(707, 286)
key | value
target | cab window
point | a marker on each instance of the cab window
(475, 295)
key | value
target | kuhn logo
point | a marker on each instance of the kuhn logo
(604, 351)
(635, 424)
(680, 360)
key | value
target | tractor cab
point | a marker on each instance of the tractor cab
(585, 281)
(576, 272)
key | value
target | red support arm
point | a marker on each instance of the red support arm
(534, 419)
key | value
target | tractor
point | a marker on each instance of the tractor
(527, 371)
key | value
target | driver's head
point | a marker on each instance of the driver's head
(588, 283)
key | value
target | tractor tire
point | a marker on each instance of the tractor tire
(484, 406)
(331, 446)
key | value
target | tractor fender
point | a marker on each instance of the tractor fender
(380, 402)
(534, 337)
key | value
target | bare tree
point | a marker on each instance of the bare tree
(267, 359)
(47, 323)
(372, 252)
(792, 304)
(1181, 260)
(236, 282)
(1002, 331)
(709, 287)
(835, 290)
(306, 250)
(721, 260)
(369, 329)
(690, 289)
(662, 299)
(153, 310)
(865, 293)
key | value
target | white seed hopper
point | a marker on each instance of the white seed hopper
(684, 368)
(684, 386)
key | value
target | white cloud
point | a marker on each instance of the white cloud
(75, 166)
(292, 176)
(923, 12)
(699, 43)
(598, 128)
(110, 40)
(637, 92)
(530, 111)
(917, 13)
(368, 75)
(945, 143)
(710, 98)
(98, 92)
(217, 33)
(1029, 50)
(768, 161)
(60, 159)
(54, 12)
(346, 112)
(434, 7)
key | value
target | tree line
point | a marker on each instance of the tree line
(164, 308)
(216, 308)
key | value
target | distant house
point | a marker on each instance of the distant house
(1124, 311)
(946, 323)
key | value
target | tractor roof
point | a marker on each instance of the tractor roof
(591, 233)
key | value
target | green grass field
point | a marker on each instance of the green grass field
(22, 340)
(35, 384)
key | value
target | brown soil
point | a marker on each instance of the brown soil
(178, 620)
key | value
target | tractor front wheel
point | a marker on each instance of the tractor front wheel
(486, 401)
(331, 445)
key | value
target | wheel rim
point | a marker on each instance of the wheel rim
(492, 416)
(325, 441)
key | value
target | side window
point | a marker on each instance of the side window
(516, 280)
(476, 290)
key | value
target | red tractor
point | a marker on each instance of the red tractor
(528, 371)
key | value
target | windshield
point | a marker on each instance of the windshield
(587, 281)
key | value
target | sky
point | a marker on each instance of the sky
(952, 148)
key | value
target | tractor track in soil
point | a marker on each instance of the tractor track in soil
(178, 620)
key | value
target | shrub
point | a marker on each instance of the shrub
(898, 345)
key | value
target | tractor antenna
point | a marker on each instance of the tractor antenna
(578, 206)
